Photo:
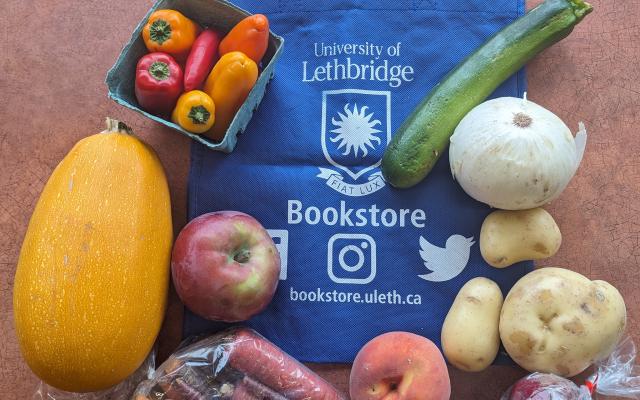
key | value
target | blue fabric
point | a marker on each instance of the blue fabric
(355, 251)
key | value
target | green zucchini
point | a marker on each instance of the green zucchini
(424, 136)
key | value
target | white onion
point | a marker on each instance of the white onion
(513, 154)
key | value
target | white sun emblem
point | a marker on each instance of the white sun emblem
(355, 130)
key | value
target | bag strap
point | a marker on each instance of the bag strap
(310, 6)
(504, 7)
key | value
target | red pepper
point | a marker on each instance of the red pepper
(158, 83)
(202, 58)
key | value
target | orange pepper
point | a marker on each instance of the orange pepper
(229, 84)
(195, 112)
(169, 31)
(250, 36)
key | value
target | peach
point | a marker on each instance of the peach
(399, 366)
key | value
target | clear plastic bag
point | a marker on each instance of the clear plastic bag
(122, 391)
(236, 364)
(617, 375)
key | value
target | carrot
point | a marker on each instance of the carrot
(263, 361)
(178, 389)
(249, 388)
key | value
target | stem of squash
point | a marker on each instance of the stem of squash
(115, 126)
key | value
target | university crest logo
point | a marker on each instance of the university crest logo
(356, 128)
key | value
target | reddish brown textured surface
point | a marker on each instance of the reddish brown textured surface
(54, 58)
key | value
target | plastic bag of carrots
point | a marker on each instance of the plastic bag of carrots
(236, 364)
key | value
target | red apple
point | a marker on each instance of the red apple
(399, 366)
(543, 387)
(225, 266)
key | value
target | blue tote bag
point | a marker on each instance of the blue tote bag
(359, 258)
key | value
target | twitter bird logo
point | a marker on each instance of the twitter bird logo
(445, 263)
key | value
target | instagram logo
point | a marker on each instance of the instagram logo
(351, 258)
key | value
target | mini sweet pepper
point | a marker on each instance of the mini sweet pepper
(202, 58)
(250, 36)
(169, 31)
(195, 112)
(158, 83)
(229, 84)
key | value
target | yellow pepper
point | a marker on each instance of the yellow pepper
(229, 84)
(169, 31)
(195, 112)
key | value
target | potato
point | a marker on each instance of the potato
(507, 237)
(470, 338)
(558, 321)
